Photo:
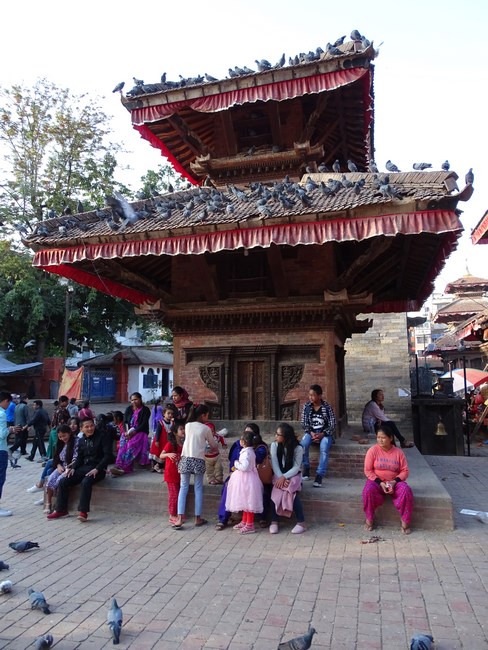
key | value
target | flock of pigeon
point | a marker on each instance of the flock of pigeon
(38, 601)
(201, 204)
(331, 49)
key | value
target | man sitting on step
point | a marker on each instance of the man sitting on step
(318, 422)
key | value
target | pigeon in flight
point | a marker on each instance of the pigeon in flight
(119, 87)
(300, 642)
(38, 601)
(114, 621)
(421, 642)
(21, 547)
(45, 641)
(421, 166)
(445, 166)
(391, 167)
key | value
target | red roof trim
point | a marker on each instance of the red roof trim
(101, 284)
(277, 91)
(316, 232)
(480, 232)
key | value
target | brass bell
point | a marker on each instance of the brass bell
(440, 429)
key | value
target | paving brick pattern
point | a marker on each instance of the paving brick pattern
(199, 588)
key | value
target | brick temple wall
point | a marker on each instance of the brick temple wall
(379, 359)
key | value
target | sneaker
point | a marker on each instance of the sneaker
(318, 481)
(273, 529)
(39, 502)
(298, 529)
(305, 474)
(57, 514)
(239, 526)
(34, 488)
(5, 513)
(82, 516)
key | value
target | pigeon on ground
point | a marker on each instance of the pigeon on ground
(391, 167)
(469, 178)
(118, 88)
(421, 166)
(38, 601)
(5, 587)
(21, 547)
(114, 620)
(3, 566)
(351, 166)
(300, 642)
(445, 165)
(421, 642)
(14, 459)
(45, 641)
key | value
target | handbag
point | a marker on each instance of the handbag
(265, 470)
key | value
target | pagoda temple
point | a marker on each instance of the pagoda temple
(286, 234)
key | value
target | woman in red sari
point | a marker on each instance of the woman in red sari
(134, 443)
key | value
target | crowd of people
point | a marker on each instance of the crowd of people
(264, 481)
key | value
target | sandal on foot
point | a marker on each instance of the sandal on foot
(406, 528)
(202, 522)
(220, 526)
(406, 445)
(369, 525)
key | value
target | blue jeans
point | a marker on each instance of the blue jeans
(325, 445)
(3, 468)
(184, 485)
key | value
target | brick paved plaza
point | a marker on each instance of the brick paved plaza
(199, 588)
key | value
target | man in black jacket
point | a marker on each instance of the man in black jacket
(90, 467)
(40, 421)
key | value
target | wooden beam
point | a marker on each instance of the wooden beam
(381, 275)
(143, 283)
(208, 282)
(187, 135)
(377, 248)
(228, 133)
(320, 107)
(275, 123)
(277, 270)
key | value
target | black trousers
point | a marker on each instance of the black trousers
(38, 443)
(20, 441)
(78, 478)
(392, 427)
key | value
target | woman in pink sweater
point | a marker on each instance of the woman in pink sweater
(386, 472)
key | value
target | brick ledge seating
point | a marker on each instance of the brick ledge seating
(338, 501)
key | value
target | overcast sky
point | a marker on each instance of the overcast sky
(430, 80)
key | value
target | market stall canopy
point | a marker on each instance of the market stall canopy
(9, 368)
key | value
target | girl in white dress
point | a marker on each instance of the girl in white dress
(245, 490)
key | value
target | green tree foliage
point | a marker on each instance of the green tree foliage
(54, 152)
(33, 308)
(160, 181)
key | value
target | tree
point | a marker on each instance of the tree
(55, 152)
(32, 309)
(160, 181)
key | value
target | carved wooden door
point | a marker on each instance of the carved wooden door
(250, 390)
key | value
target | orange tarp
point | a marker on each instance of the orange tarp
(71, 383)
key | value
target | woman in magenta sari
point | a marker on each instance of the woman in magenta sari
(134, 443)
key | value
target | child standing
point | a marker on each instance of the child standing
(213, 463)
(171, 454)
(163, 429)
(245, 490)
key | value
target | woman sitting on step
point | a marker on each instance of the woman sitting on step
(386, 470)
(134, 443)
